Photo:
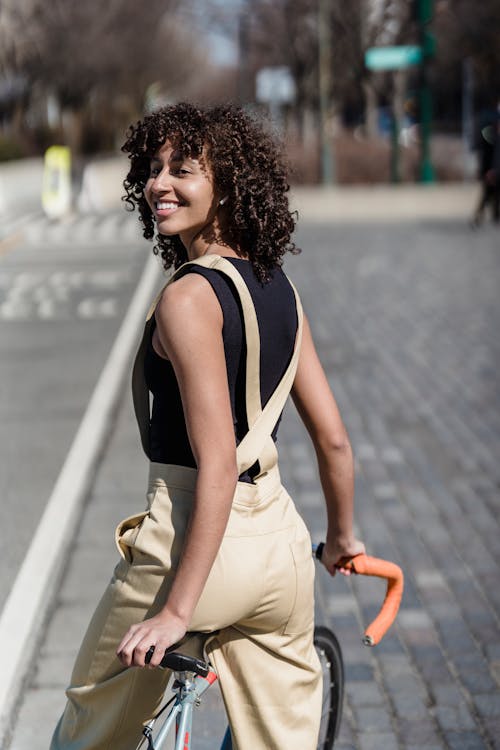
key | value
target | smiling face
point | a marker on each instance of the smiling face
(180, 194)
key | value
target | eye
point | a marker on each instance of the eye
(179, 171)
(154, 170)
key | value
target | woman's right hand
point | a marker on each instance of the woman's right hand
(339, 550)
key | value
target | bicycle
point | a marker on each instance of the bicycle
(193, 676)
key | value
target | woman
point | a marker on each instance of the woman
(221, 547)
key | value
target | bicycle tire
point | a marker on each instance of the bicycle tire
(332, 665)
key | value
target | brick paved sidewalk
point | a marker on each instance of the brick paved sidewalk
(406, 319)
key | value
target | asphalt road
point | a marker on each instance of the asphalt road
(64, 289)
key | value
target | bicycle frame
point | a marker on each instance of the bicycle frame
(190, 687)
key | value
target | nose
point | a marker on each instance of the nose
(162, 183)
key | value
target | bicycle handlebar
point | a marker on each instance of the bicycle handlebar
(392, 573)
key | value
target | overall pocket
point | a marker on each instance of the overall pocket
(126, 534)
(301, 617)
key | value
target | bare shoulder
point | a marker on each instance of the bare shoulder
(189, 306)
(192, 292)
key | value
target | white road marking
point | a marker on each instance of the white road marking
(14, 310)
(49, 297)
(109, 279)
(114, 227)
(92, 308)
(47, 309)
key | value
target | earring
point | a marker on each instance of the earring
(223, 200)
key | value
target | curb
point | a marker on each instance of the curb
(386, 204)
(34, 588)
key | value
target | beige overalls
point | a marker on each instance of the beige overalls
(258, 596)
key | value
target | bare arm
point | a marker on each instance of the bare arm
(318, 410)
(189, 323)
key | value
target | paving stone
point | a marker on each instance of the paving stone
(390, 645)
(495, 670)
(488, 705)
(372, 720)
(456, 717)
(418, 626)
(358, 671)
(409, 704)
(465, 741)
(341, 604)
(377, 741)
(431, 663)
(477, 680)
(442, 610)
(430, 580)
(363, 694)
(447, 694)
(492, 726)
(419, 732)
(395, 666)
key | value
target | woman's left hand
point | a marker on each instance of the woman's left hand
(161, 631)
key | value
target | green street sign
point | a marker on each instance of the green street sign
(393, 58)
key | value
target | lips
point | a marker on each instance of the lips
(166, 208)
(166, 205)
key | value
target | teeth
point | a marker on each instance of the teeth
(166, 206)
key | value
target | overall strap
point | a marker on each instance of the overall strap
(252, 336)
(257, 443)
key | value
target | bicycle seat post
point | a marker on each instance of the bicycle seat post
(185, 684)
(185, 687)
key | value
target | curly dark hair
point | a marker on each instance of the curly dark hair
(247, 166)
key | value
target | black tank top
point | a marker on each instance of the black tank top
(277, 318)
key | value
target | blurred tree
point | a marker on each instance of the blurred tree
(466, 30)
(85, 68)
(285, 32)
(92, 62)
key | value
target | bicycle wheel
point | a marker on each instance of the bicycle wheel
(332, 666)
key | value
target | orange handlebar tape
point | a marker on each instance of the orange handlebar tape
(373, 566)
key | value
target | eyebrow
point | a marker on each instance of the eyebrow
(176, 157)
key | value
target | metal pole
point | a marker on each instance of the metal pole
(425, 9)
(399, 87)
(325, 83)
(467, 113)
(395, 177)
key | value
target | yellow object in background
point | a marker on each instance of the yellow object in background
(56, 185)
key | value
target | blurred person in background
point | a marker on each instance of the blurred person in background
(489, 168)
